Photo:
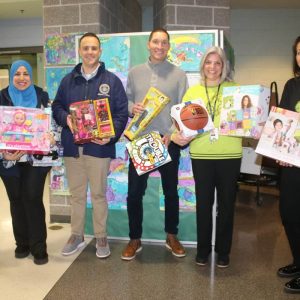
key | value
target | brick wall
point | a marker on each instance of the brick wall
(99, 16)
(192, 14)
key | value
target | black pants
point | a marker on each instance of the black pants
(222, 175)
(25, 194)
(136, 190)
(289, 206)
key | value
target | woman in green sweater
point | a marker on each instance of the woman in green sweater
(215, 162)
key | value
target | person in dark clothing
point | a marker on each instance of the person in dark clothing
(289, 204)
(24, 183)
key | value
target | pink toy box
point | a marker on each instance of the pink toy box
(91, 119)
(24, 129)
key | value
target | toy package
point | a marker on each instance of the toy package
(105, 125)
(154, 102)
(83, 121)
(278, 140)
(148, 152)
(244, 111)
(91, 119)
(24, 129)
(191, 117)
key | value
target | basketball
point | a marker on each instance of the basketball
(194, 116)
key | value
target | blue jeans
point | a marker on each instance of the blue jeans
(136, 190)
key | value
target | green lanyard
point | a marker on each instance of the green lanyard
(211, 110)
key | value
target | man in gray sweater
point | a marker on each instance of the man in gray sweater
(159, 73)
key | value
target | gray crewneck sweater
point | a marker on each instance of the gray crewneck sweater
(165, 77)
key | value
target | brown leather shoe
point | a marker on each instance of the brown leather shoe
(174, 245)
(132, 248)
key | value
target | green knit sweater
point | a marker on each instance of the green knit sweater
(201, 147)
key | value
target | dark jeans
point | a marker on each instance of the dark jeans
(222, 175)
(25, 194)
(136, 190)
(289, 206)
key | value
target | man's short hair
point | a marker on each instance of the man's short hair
(159, 30)
(91, 34)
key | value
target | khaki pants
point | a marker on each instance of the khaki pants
(81, 171)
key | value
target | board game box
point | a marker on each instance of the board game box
(148, 152)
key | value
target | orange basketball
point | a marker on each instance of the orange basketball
(194, 116)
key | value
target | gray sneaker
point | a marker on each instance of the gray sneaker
(74, 243)
(102, 247)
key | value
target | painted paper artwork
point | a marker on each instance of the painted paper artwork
(60, 49)
(53, 79)
(115, 53)
(187, 50)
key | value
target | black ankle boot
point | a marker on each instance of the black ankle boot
(40, 258)
(22, 251)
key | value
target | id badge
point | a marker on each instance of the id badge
(214, 135)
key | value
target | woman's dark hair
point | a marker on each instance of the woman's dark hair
(158, 30)
(296, 67)
(277, 121)
(89, 34)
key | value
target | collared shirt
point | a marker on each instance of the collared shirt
(91, 75)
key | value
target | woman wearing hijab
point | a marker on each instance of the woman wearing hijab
(24, 183)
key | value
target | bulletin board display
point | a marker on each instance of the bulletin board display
(120, 52)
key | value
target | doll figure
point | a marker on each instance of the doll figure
(19, 125)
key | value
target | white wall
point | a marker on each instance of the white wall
(262, 42)
(21, 33)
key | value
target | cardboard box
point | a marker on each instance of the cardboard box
(277, 140)
(24, 129)
(244, 110)
(177, 115)
(154, 102)
(148, 152)
(91, 119)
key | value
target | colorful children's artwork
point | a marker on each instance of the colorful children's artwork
(148, 152)
(278, 136)
(154, 102)
(24, 129)
(53, 79)
(58, 181)
(60, 49)
(91, 119)
(187, 50)
(186, 185)
(244, 110)
(115, 52)
(191, 117)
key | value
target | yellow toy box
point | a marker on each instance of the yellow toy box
(154, 102)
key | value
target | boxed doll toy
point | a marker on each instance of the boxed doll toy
(91, 119)
(154, 102)
(24, 129)
(191, 117)
(104, 119)
(148, 152)
(277, 140)
(244, 110)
